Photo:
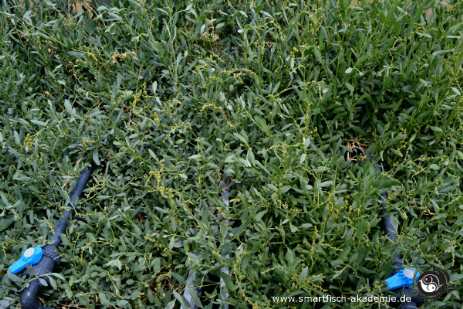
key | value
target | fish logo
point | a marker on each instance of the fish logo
(433, 284)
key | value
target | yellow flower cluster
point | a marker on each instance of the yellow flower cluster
(122, 98)
(155, 116)
(159, 187)
(156, 244)
(28, 141)
(136, 98)
(184, 125)
(210, 105)
(86, 143)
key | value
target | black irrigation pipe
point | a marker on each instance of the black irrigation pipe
(391, 233)
(47, 257)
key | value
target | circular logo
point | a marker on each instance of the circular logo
(433, 284)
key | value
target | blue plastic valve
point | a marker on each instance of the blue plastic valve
(30, 257)
(403, 278)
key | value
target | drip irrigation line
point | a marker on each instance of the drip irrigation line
(388, 228)
(44, 259)
(415, 299)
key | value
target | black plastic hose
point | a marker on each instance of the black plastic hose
(416, 300)
(51, 257)
(387, 224)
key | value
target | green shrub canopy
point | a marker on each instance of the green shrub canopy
(168, 96)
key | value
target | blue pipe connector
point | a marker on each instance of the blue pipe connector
(405, 277)
(30, 257)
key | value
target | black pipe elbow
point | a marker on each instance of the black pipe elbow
(50, 258)
(28, 298)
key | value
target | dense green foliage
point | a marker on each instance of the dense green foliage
(167, 96)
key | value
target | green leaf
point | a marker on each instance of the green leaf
(43, 282)
(349, 86)
(456, 91)
(337, 262)
(13, 277)
(242, 136)
(290, 256)
(362, 227)
(103, 300)
(326, 183)
(252, 273)
(293, 228)
(171, 304)
(228, 283)
(303, 275)
(77, 54)
(40, 123)
(17, 138)
(70, 109)
(317, 55)
(6, 223)
(196, 300)
(179, 278)
(440, 52)
(53, 283)
(122, 303)
(274, 168)
(156, 266)
(338, 273)
(262, 124)
(71, 281)
(260, 215)
(30, 270)
(385, 182)
(154, 87)
(424, 34)
(152, 154)
(182, 300)
(436, 129)
(394, 222)
(456, 277)
(26, 17)
(95, 157)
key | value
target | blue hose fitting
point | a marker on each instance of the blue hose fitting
(405, 277)
(30, 257)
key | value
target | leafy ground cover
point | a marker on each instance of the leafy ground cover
(168, 96)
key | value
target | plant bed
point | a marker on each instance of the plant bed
(166, 97)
